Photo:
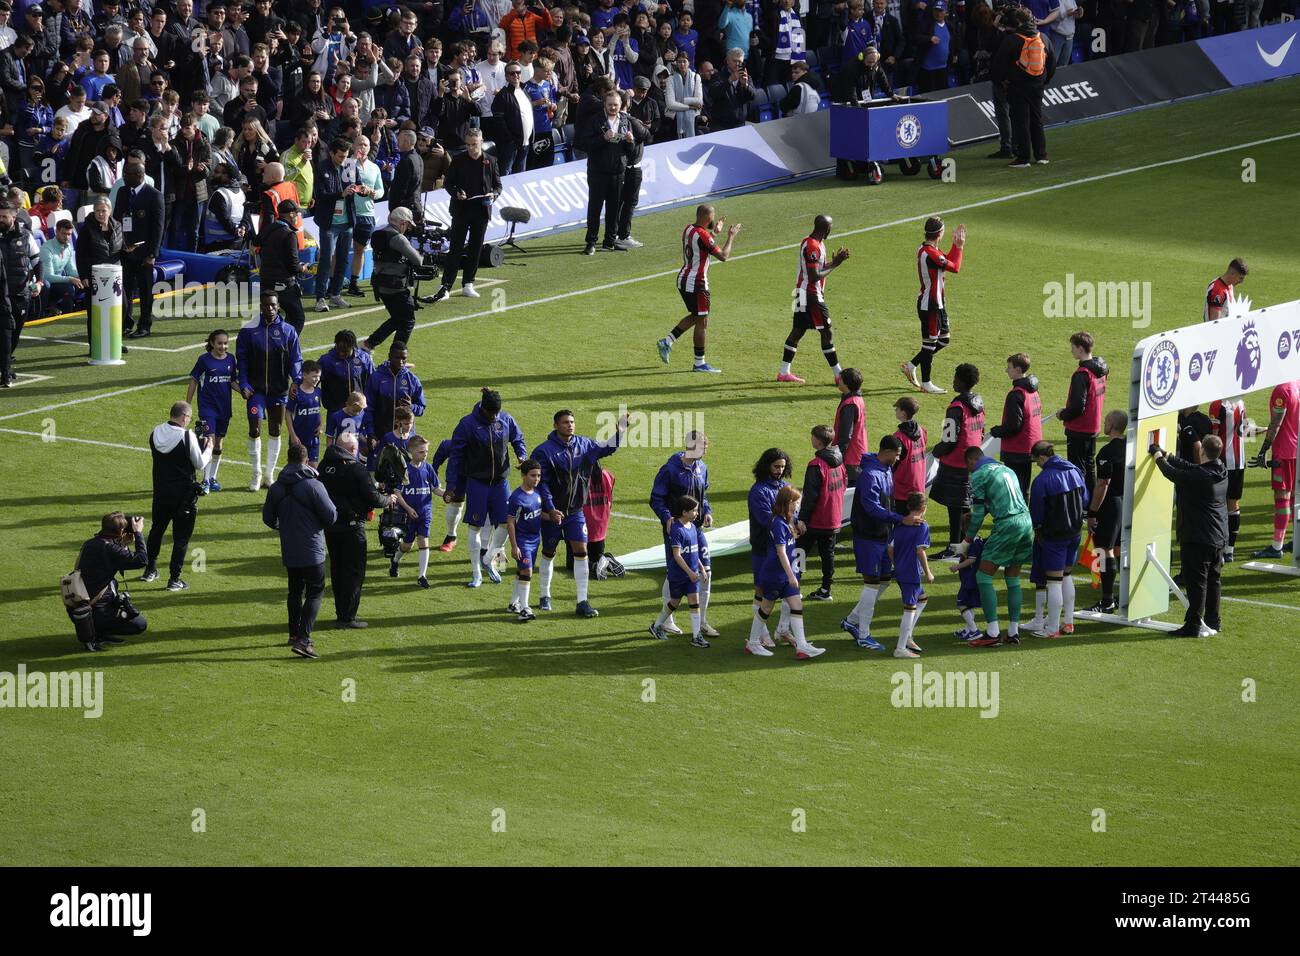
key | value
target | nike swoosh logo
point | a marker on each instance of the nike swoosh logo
(692, 172)
(1275, 58)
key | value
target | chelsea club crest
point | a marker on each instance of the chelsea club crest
(908, 131)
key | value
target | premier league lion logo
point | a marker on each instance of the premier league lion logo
(1249, 357)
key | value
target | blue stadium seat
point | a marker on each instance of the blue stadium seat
(776, 93)
(825, 102)
(757, 104)
(812, 58)
(1076, 54)
(766, 112)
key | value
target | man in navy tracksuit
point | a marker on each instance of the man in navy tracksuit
(270, 363)
(1058, 504)
(480, 461)
(390, 385)
(567, 461)
(686, 474)
(344, 369)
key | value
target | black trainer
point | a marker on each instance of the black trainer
(111, 639)
(304, 648)
(821, 594)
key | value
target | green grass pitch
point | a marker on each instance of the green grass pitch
(464, 718)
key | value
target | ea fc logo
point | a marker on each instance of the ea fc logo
(908, 131)
(1160, 377)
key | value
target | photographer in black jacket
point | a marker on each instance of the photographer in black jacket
(102, 558)
(1202, 530)
(280, 263)
(393, 277)
(177, 454)
(352, 490)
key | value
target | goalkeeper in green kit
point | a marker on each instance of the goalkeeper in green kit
(995, 491)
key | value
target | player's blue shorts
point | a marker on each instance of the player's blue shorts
(679, 585)
(1058, 554)
(313, 448)
(913, 593)
(968, 597)
(528, 547)
(213, 423)
(573, 527)
(486, 504)
(418, 527)
(258, 404)
(872, 558)
(777, 589)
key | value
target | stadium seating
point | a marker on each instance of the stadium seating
(775, 94)
(760, 111)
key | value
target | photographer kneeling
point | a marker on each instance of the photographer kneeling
(393, 278)
(102, 558)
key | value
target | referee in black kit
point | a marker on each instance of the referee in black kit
(354, 495)
(473, 182)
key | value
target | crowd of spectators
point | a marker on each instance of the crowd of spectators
(221, 100)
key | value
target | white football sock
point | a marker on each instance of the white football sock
(706, 588)
(695, 622)
(665, 612)
(783, 618)
(664, 591)
(255, 454)
(1067, 595)
(497, 542)
(524, 588)
(476, 568)
(272, 455)
(968, 616)
(454, 511)
(581, 576)
(759, 620)
(1053, 622)
(757, 628)
(545, 568)
(1040, 595)
(514, 591)
(796, 630)
(835, 370)
(865, 609)
(785, 368)
(424, 562)
(993, 628)
(905, 628)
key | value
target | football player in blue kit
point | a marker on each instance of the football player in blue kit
(524, 526)
(567, 461)
(779, 579)
(911, 567)
(212, 380)
(415, 496)
(682, 539)
(304, 413)
(270, 366)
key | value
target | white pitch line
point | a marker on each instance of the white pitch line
(619, 514)
(560, 296)
(1282, 607)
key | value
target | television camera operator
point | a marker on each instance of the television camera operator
(473, 182)
(102, 558)
(398, 268)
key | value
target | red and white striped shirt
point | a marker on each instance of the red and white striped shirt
(1218, 295)
(1228, 421)
(931, 264)
(697, 246)
(809, 283)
